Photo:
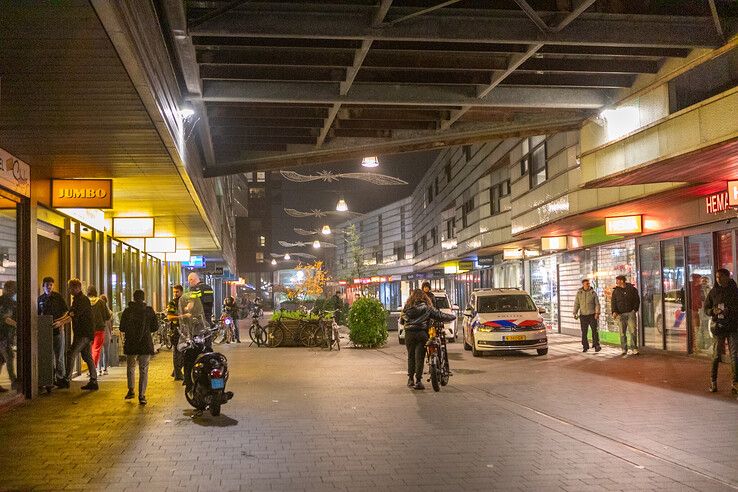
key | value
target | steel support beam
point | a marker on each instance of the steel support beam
(359, 55)
(417, 95)
(474, 26)
(429, 140)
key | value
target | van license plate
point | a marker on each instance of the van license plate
(217, 384)
(513, 338)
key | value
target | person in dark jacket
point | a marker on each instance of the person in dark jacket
(426, 286)
(83, 329)
(722, 306)
(138, 322)
(8, 308)
(416, 317)
(625, 304)
(52, 303)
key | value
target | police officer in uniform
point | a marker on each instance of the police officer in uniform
(173, 318)
(204, 292)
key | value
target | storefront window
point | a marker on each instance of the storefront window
(10, 369)
(507, 274)
(651, 318)
(700, 265)
(675, 322)
(726, 256)
(543, 289)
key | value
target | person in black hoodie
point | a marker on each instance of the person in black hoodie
(625, 304)
(722, 306)
(138, 322)
(416, 317)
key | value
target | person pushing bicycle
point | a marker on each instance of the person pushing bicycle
(417, 316)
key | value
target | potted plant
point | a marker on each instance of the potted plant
(367, 322)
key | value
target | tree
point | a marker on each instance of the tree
(355, 254)
(312, 280)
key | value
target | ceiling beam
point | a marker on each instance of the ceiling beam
(417, 95)
(359, 55)
(246, 122)
(427, 140)
(471, 26)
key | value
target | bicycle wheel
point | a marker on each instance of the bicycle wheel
(253, 336)
(336, 338)
(435, 373)
(444, 367)
(261, 335)
(307, 334)
(276, 337)
(319, 337)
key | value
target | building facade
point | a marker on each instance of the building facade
(533, 212)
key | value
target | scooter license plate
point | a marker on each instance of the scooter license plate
(217, 384)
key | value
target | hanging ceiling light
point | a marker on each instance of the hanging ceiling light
(186, 110)
(316, 244)
(287, 257)
(326, 231)
(274, 262)
(372, 161)
(341, 206)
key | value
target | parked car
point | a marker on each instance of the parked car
(445, 306)
(503, 320)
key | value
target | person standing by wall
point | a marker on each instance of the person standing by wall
(173, 319)
(51, 303)
(8, 307)
(587, 310)
(100, 315)
(625, 304)
(83, 329)
(722, 305)
(138, 322)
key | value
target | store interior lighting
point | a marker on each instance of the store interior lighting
(179, 255)
(186, 110)
(160, 244)
(133, 227)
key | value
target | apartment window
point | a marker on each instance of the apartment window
(416, 247)
(497, 192)
(257, 192)
(399, 251)
(435, 182)
(424, 242)
(262, 241)
(447, 170)
(466, 209)
(259, 257)
(451, 228)
(538, 165)
(378, 257)
(260, 177)
(703, 81)
(429, 195)
(434, 236)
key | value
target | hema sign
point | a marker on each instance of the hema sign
(82, 193)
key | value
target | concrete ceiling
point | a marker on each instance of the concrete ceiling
(290, 83)
(69, 109)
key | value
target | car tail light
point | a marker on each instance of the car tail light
(216, 373)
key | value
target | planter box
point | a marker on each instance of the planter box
(291, 335)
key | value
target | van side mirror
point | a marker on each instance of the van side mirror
(542, 310)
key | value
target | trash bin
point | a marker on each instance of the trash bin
(114, 350)
(393, 319)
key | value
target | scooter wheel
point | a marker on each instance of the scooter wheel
(215, 408)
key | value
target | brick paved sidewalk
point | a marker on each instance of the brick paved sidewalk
(316, 420)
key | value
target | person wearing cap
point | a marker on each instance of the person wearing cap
(625, 304)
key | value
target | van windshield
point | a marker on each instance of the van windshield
(442, 302)
(505, 304)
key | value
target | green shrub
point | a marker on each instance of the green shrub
(292, 315)
(367, 322)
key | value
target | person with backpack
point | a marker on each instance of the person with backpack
(722, 306)
(138, 322)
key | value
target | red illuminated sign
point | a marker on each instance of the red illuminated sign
(714, 204)
(733, 193)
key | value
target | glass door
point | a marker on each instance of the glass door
(651, 305)
(700, 268)
(726, 250)
(675, 316)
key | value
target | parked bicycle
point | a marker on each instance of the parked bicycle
(164, 335)
(327, 335)
(303, 334)
(225, 330)
(257, 333)
(437, 357)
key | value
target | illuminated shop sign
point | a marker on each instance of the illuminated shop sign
(716, 203)
(82, 193)
(630, 224)
(733, 193)
(15, 174)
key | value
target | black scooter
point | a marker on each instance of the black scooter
(209, 374)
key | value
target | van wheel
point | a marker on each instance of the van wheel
(542, 351)
(466, 345)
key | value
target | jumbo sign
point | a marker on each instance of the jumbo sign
(82, 193)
